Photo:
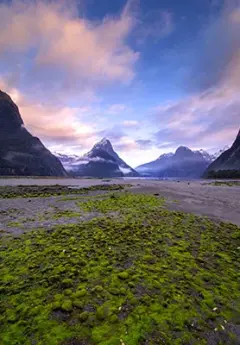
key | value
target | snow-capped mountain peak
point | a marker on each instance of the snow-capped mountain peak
(103, 144)
(100, 161)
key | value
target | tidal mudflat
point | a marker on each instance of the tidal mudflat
(119, 264)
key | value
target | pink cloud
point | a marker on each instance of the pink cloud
(210, 119)
(94, 52)
(54, 125)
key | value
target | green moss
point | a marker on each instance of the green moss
(123, 275)
(7, 192)
(81, 293)
(224, 183)
(68, 292)
(77, 304)
(56, 305)
(102, 312)
(67, 283)
(83, 316)
(67, 305)
(114, 291)
(113, 319)
(141, 273)
(98, 288)
(65, 213)
(15, 225)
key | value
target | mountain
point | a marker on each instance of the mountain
(68, 161)
(218, 153)
(101, 161)
(207, 156)
(183, 163)
(228, 163)
(21, 153)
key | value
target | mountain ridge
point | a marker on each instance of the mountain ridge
(183, 163)
(22, 154)
(100, 161)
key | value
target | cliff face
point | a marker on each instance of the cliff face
(22, 154)
(227, 161)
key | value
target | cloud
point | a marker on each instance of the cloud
(96, 159)
(130, 123)
(125, 170)
(210, 116)
(116, 109)
(55, 125)
(218, 53)
(113, 133)
(52, 45)
(126, 143)
(206, 120)
(155, 25)
(144, 144)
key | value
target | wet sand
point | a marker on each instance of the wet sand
(198, 197)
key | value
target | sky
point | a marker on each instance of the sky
(150, 75)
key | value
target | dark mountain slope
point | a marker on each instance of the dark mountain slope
(22, 154)
(228, 162)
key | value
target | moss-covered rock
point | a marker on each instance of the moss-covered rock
(78, 304)
(67, 283)
(98, 288)
(67, 305)
(123, 275)
(83, 316)
(80, 293)
(102, 312)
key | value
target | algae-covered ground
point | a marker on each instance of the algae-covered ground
(225, 183)
(134, 274)
(34, 191)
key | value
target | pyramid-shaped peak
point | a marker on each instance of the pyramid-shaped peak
(104, 141)
(104, 144)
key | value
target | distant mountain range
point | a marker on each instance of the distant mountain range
(21, 153)
(101, 161)
(183, 163)
(97, 163)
